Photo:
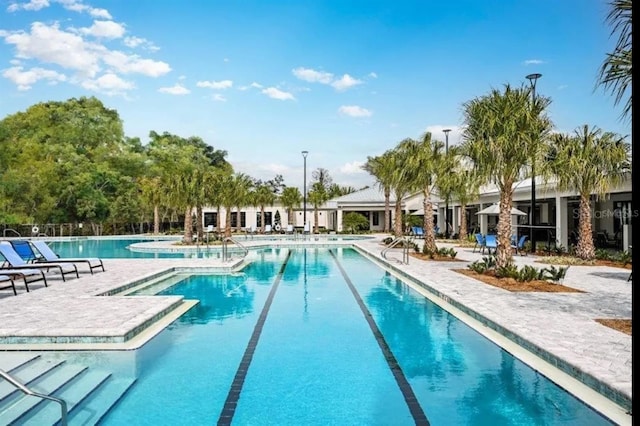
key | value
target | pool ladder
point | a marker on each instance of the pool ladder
(405, 249)
(225, 248)
(21, 387)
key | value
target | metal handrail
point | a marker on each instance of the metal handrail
(225, 248)
(27, 391)
(405, 249)
(4, 233)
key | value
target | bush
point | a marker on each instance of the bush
(508, 271)
(529, 273)
(478, 267)
(555, 274)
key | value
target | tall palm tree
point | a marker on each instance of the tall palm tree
(317, 197)
(616, 70)
(500, 130)
(589, 162)
(243, 186)
(425, 162)
(401, 180)
(465, 188)
(153, 195)
(290, 198)
(381, 167)
(233, 193)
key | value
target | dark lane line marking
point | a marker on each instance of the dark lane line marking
(407, 392)
(229, 408)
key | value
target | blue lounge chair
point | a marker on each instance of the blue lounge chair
(480, 243)
(519, 245)
(48, 255)
(490, 243)
(6, 279)
(23, 248)
(15, 262)
(418, 232)
(27, 276)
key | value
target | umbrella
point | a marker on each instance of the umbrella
(420, 212)
(495, 210)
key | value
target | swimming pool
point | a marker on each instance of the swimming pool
(323, 336)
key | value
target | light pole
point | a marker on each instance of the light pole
(532, 233)
(446, 204)
(304, 192)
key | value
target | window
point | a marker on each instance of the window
(234, 219)
(211, 219)
(376, 218)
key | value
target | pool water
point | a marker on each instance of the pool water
(116, 248)
(327, 337)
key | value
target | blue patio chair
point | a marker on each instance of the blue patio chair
(15, 262)
(48, 255)
(519, 245)
(23, 248)
(480, 243)
(418, 231)
(4, 279)
(490, 243)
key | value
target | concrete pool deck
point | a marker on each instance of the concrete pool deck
(559, 327)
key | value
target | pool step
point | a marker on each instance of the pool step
(155, 286)
(89, 393)
(12, 360)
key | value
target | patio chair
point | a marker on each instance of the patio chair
(418, 232)
(27, 276)
(267, 229)
(306, 228)
(519, 245)
(6, 279)
(289, 229)
(15, 262)
(480, 243)
(48, 255)
(23, 248)
(490, 243)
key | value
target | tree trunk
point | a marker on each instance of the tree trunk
(227, 222)
(429, 231)
(199, 230)
(156, 219)
(462, 234)
(238, 221)
(387, 209)
(585, 248)
(315, 220)
(503, 253)
(398, 222)
(188, 227)
(262, 219)
(218, 219)
(290, 216)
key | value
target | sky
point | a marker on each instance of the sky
(341, 79)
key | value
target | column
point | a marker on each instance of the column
(562, 221)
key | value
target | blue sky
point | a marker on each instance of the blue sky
(265, 80)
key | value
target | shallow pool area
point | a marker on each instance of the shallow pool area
(311, 336)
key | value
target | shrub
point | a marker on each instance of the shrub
(528, 273)
(556, 274)
(478, 267)
(603, 254)
(508, 271)
(623, 257)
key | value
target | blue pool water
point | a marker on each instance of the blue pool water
(314, 359)
(115, 249)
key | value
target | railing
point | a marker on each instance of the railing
(405, 249)
(225, 248)
(27, 391)
(4, 233)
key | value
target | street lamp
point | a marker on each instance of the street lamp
(446, 204)
(532, 231)
(304, 191)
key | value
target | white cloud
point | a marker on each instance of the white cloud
(178, 89)
(134, 64)
(218, 97)
(373, 75)
(253, 85)
(109, 84)
(25, 79)
(31, 5)
(275, 93)
(354, 111)
(313, 76)
(354, 167)
(345, 83)
(533, 62)
(105, 29)
(78, 6)
(217, 85)
(134, 42)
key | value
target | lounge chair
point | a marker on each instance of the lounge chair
(25, 275)
(48, 255)
(306, 228)
(480, 243)
(23, 248)
(519, 245)
(418, 232)
(289, 229)
(267, 229)
(14, 261)
(4, 279)
(490, 243)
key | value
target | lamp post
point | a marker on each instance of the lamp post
(533, 78)
(304, 191)
(446, 204)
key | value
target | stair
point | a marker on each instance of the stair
(89, 393)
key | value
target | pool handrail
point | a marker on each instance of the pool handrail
(405, 249)
(24, 389)
(225, 248)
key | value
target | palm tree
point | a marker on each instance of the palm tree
(290, 198)
(381, 167)
(500, 130)
(317, 197)
(233, 193)
(153, 195)
(401, 181)
(616, 70)
(590, 161)
(263, 196)
(425, 162)
(465, 188)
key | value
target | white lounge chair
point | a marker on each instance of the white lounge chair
(14, 261)
(289, 229)
(267, 229)
(49, 255)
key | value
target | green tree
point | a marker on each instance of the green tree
(262, 197)
(290, 199)
(616, 70)
(354, 222)
(500, 128)
(382, 168)
(589, 162)
(317, 197)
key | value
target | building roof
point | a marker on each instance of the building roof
(367, 195)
